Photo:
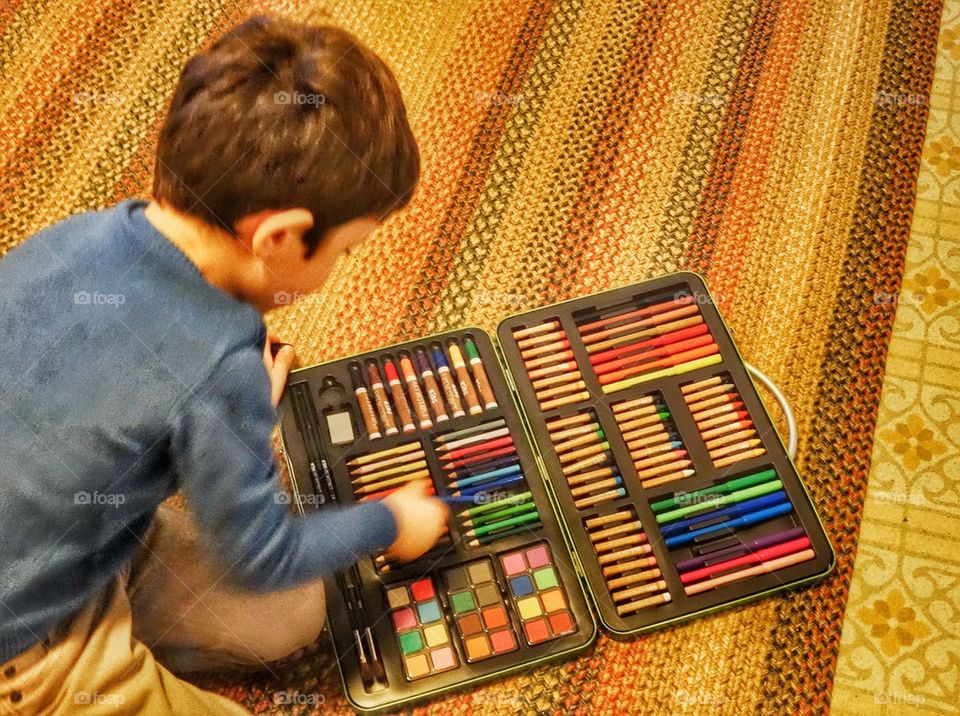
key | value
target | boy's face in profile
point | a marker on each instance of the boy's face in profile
(286, 270)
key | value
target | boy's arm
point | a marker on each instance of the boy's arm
(222, 452)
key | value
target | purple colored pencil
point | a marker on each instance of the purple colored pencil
(744, 548)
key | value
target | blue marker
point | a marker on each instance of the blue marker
(744, 521)
(737, 510)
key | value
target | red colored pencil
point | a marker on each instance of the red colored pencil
(479, 447)
(453, 464)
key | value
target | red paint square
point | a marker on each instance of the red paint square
(561, 623)
(537, 631)
(503, 641)
(422, 590)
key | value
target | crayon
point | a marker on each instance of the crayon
(548, 359)
(416, 395)
(542, 395)
(630, 607)
(566, 400)
(534, 330)
(399, 399)
(661, 470)
(579, 492)
(363, 400)
(636, 551)
(724, 462)
(578, 419)
(719, 410)
(446, 380)
(732, 437)
(380, 398)
(664, 479)
(725, 428)
(659, 586)
(701, 384)
(463, 378)
(563, 367)
(598, 474)
(479, 374)
(607, 519)
(636, 578)
(738, 447)
(597, 499)
(627, 566)
(623, 528)
(430, 385)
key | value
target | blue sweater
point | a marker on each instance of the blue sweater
(125, 376)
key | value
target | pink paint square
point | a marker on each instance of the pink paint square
(538, 556)
(513, 563)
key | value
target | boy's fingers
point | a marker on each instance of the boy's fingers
(279, 371)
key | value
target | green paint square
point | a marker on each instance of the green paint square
(545, 578)
(411, 642)
(463, 602)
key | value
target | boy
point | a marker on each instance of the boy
(135, 363)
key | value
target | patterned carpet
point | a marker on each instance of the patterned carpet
(900, 645)
(570, 147)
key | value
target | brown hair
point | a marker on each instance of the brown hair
(277, 115)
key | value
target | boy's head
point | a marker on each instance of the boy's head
(281, 131)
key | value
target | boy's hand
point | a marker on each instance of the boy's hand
(420, 519)
(278, 366)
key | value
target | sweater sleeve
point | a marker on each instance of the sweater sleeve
(222, 453)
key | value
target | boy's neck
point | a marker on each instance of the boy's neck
(216, 253)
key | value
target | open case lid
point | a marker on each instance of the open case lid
(569, 314)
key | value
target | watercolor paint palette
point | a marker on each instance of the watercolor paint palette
(606, 459)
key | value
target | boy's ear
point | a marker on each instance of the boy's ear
(267, 230)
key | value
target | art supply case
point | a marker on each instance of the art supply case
(751, 514)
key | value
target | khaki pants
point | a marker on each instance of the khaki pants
(171, 611)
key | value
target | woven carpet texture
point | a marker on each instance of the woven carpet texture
(570, 147)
